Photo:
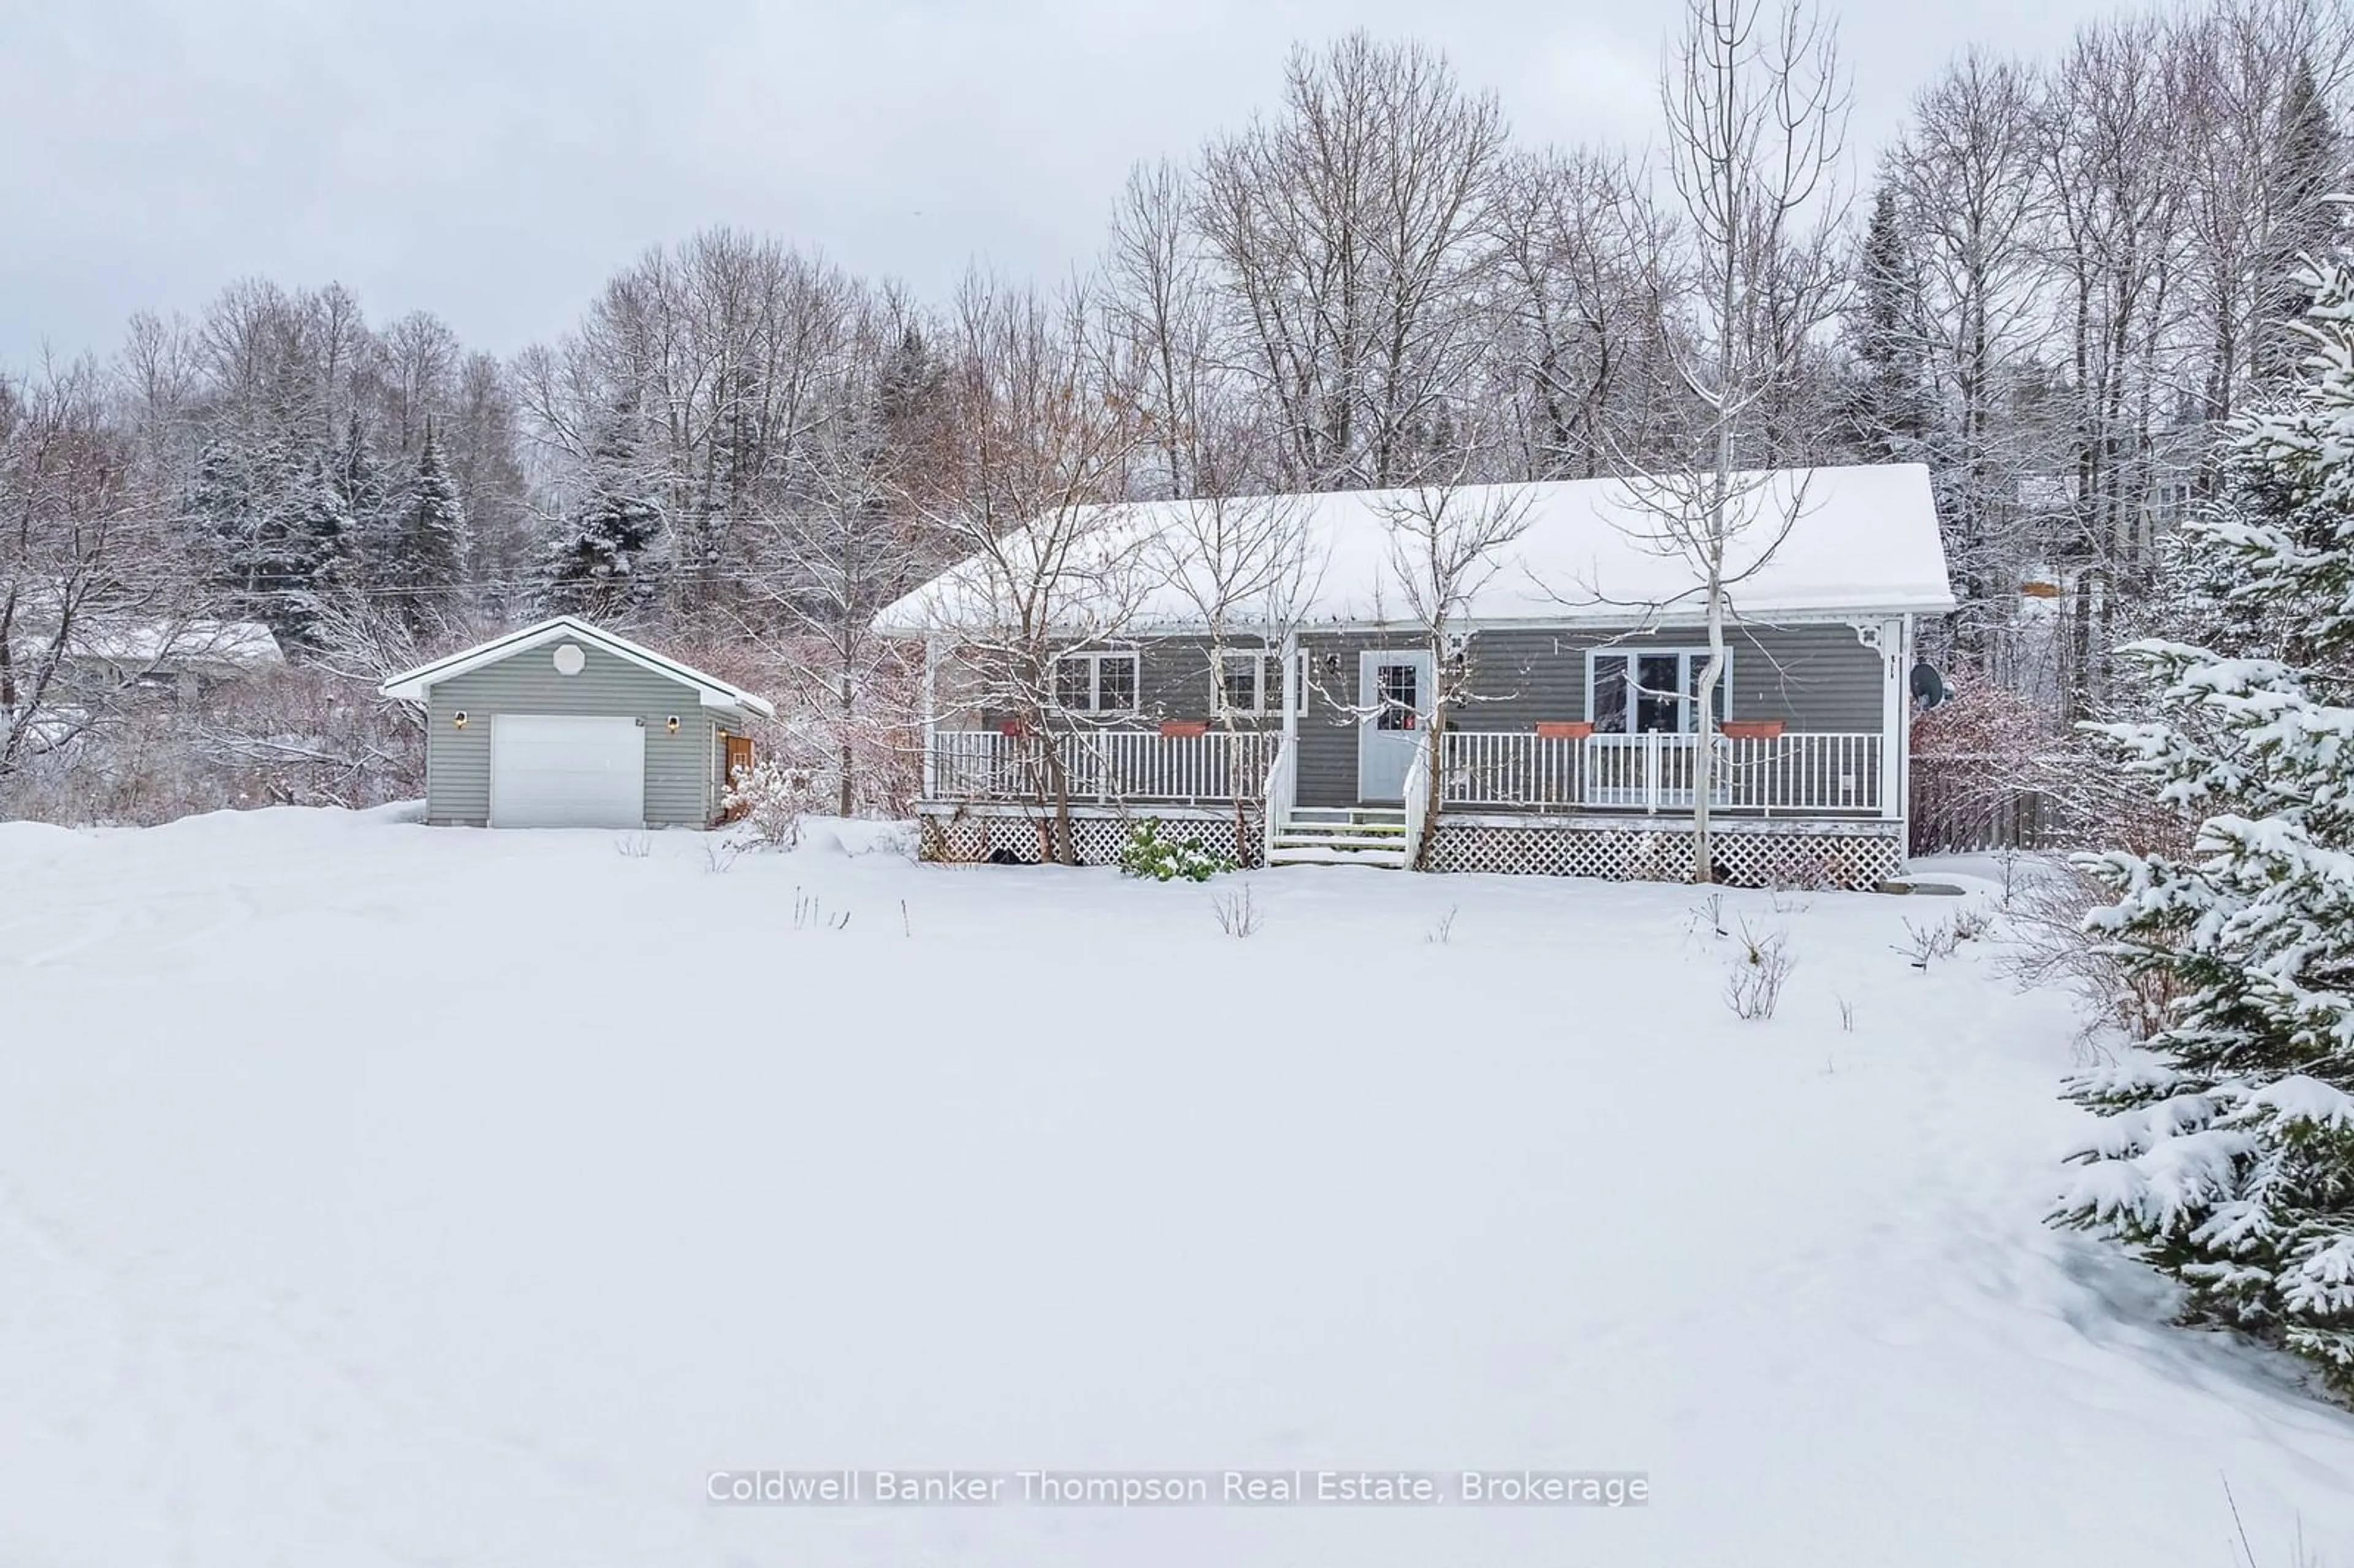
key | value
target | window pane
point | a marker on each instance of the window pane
(1699, 662)
(1071, 682)
(1116, 682)
(1609, 714)
(1659, 703)
(1398, 688)
(1240, 672)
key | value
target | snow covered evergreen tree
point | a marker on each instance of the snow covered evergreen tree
(218, 516)
(274, 527)
(607, 561)
(423, 567)
(1889, 405)
(2225, 1154)
(2308, 167)
(367, 499)
(319, 548)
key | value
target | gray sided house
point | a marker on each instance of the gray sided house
(564, 724)
(1567, 675)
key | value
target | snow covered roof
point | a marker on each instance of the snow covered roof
(180, 643)
(1861, 541)
(412, 685)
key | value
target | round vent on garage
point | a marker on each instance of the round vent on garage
(569, 658)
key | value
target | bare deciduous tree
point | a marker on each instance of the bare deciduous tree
(1756, 111)
(84, 557)
(1044, 440)
(1446, 540)
(1346, 233)
(1584, 276)
(1970, 197)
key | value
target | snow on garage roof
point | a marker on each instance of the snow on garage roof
(412, 685)
(1864, 541)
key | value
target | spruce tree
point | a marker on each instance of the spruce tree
(428, 542)
(607, 560)
(367, 499)
(2225, 1153)
(605, 564)
(1889, 405)
(219, 516)
(316, 550)
(2308, 165)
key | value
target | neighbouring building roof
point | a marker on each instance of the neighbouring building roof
(412, 685)
(1861, 540)
(179, 644)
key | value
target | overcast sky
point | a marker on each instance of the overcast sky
(494, 160)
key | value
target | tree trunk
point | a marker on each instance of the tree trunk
(849, 755)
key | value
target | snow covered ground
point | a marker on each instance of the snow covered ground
(374, 1194)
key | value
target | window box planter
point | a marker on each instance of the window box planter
(1178, 729)
(1566, 729)
(1751, 729)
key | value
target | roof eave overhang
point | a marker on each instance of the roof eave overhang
(415, 685)
(1613, 615)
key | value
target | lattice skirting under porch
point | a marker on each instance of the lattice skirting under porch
(1097, 836)
(1745, 857)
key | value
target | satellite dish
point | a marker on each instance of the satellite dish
(1928, 686)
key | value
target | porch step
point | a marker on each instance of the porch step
(1316, 854)
(1341, 836)
(1344, 840)
(1344, 816)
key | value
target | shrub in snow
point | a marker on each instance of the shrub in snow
(1151, 852)
(1755, 987)
(773, 798)
(2225, 1152)
(1237, 912)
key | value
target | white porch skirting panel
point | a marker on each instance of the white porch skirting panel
(1851, 856)
(966, 834)
(1854, 854)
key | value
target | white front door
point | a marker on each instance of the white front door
(549, 770)
(1395, 694)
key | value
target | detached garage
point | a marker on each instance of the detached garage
(564, 725)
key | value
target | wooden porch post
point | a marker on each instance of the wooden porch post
(1895, 639)
(931, 718)
(1291, 685)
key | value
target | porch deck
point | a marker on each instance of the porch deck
(1831, 776)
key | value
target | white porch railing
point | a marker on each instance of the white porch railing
(1101, 765)
(1282, 789)
(1785, 775)
(1418, 799)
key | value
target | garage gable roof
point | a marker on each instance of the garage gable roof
(412, 685)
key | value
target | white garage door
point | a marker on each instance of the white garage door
(561, 772)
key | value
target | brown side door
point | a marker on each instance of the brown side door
(739, 757)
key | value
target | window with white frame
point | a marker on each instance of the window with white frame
(1650, 691)
(1102, 682)
(1250, 681)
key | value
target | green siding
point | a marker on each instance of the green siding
(1174, 680)
(1814, 678)
(680, 769)
(1327, 730)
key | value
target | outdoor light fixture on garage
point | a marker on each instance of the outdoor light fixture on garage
(458, 719)
(670, 723)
